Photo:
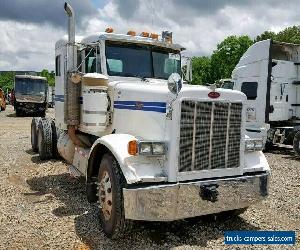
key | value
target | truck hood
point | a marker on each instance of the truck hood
(156, 90)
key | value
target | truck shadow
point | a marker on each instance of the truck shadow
(286, 152)
(36, 159)
(11, 115)
(154, 235)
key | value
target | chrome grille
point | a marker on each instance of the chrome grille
(210, 134)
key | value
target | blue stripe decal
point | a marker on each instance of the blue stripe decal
(142, 106)
(134, 103)
(61, 98)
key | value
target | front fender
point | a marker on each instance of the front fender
(255, 161)
(135, 168)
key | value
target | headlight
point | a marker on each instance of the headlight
(158, 148)
(145, 148)
(259, 145)
(254, 144)
(151, 148)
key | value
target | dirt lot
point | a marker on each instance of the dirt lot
(42, 207)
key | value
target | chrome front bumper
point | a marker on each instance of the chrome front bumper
(182, 200)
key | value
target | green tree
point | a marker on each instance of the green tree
(49, 75)
(7, 80)
(289, 35)
(265, 35)
(201, 70)
(227, 55)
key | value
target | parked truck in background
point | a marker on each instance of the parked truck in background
(269, 74)
(149, 147)
(30, 94)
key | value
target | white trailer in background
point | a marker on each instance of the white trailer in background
(269, 74)
(149, 147)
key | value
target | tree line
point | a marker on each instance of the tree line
(7, 79)
(209, 69)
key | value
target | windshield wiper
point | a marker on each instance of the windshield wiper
(143, 78)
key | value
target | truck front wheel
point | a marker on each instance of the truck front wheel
(296, 143)
(110, 193)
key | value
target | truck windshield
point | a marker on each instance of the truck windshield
(141, 61)
(27, 86)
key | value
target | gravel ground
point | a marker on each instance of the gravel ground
(42, 207)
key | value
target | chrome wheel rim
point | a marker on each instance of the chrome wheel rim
(105, 195)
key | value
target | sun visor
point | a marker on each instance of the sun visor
(95, 79)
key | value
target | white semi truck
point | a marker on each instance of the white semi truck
(149, 147)
(268, 73)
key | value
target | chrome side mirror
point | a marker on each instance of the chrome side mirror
(175, 83)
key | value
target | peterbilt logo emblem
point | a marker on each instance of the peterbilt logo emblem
(213, 94)
(139, 105)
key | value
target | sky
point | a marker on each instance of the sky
(30, 28)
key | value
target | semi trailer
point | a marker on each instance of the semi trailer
(30, 95)
(149, 147)
(268, 73)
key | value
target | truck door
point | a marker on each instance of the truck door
(252, 77)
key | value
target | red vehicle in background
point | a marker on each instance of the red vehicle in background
(12, 97)
(2, 100)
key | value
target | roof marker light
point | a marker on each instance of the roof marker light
(154, 36)
(131, 33)
(109, 30)
(145, 34)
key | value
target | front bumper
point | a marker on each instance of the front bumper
(183, 200)
(31, 107)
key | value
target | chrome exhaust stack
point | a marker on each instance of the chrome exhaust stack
(71, 37)
(73, 81)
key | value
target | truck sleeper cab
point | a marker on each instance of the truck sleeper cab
(150, 147)
(268, 74)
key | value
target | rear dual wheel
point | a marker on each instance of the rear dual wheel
(44, 138)
(296, 143)
(34, 131)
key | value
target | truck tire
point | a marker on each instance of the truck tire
(45, 139)
(268, 146)
(296, 143)
(34, 131)
(55, 154)
(110, 192)
(18, 112)
(42, 113)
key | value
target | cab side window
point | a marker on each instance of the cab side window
(250, 90)
(57, 65)
(92, 61)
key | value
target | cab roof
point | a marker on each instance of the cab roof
(122, 38)
(31, 77)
